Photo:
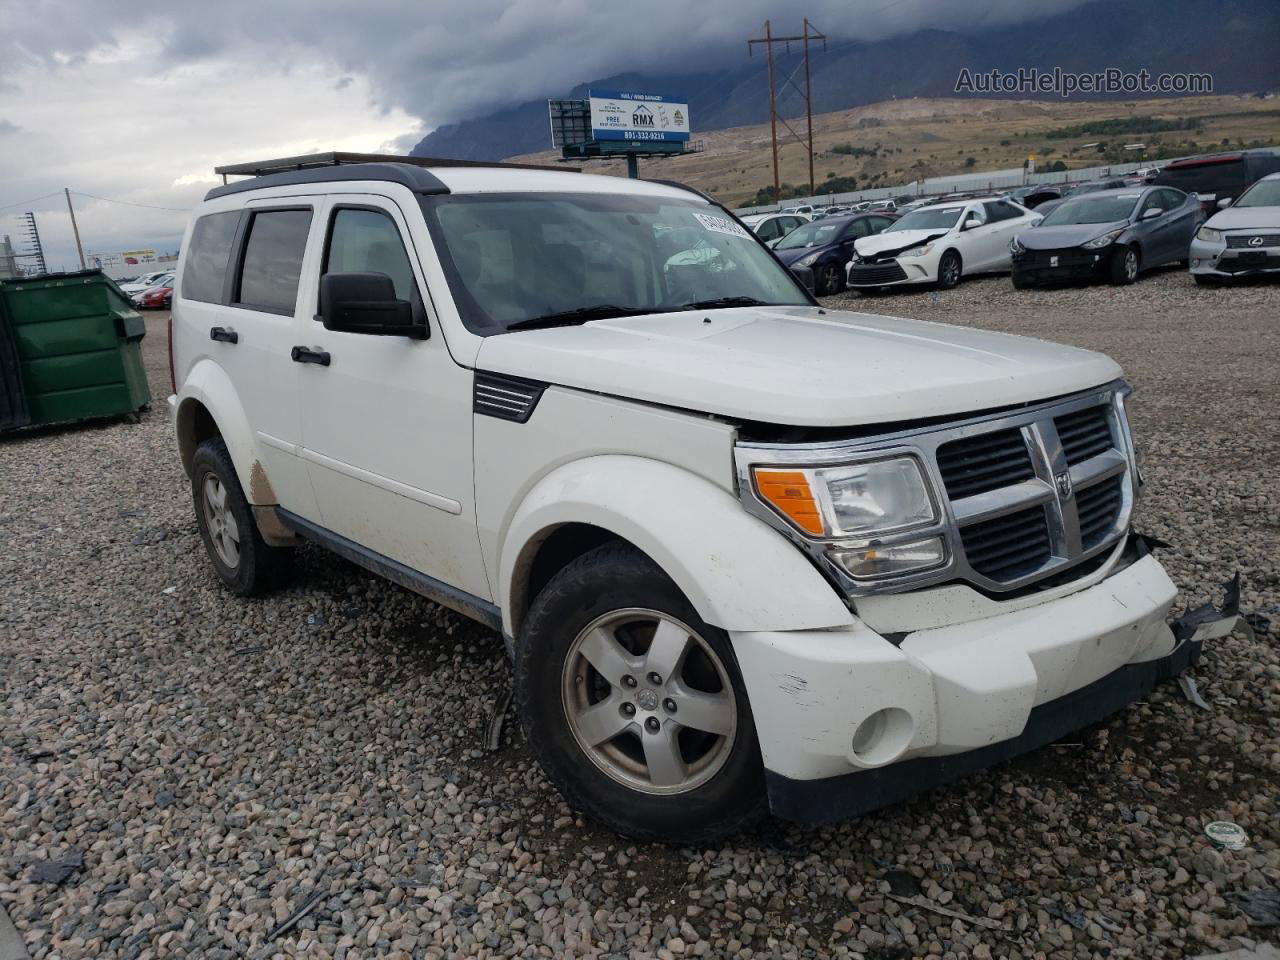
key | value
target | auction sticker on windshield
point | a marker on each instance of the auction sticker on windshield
(721, 225)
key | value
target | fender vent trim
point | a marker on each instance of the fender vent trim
(505, 397)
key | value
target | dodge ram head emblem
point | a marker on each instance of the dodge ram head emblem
(1063, 480)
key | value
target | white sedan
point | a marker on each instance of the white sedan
(940, 244)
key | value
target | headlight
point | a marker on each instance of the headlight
(1016, 247)
(856, 500)
(1097, 243)
(884, 561)
(809, 260)
(1209, 235)
(918, 251)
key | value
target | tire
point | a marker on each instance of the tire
(1125, 264)
(950, 267)
(1020, 281)
(243, 560)
(828, 280)
(607, 608)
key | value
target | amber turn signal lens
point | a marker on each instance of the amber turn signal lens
(788, 491)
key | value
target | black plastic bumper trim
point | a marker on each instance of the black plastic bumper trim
(849, 795)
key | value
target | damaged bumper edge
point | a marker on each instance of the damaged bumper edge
(1042, 675)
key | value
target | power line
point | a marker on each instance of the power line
(130, 203)
(768, 40)
(23, 203)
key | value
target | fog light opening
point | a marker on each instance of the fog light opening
(882, 737)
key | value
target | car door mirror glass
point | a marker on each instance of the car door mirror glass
(366, 303)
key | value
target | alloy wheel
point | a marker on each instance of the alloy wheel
(649, 701)
(224, 531)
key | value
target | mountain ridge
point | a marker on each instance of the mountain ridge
(1232, 40)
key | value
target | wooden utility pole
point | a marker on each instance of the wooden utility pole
(75, 229)
(810, 33)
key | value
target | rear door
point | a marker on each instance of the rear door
(387, 423)
(238, 297)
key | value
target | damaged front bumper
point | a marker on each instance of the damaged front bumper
(848, 722)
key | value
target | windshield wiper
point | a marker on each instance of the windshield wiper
(725, 302)
(579, 315)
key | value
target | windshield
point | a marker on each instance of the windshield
(1264, 193)
(1093, 208)
(930, 218)
(810, 234)
(513, 259)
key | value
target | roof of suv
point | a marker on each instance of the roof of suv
(448, 179)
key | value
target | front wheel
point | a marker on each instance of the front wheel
(830, 279)
(1124, 266)
(949, 270)
(634, 706)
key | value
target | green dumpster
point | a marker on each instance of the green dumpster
(70, 349)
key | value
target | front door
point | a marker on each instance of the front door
(386, 425)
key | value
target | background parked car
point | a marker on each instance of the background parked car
(1107, 234)
(154, 281)
(1069, 190)
(1219, 176)
(1243, 239)
(141, 284)
(817, 252)
(1034, 195)
(158, 297)
(940, 244)
(774, 226)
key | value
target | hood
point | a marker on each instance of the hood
(896, 240)
(790, 255)
(1245, 218)
(798, 366)
(1065, 235)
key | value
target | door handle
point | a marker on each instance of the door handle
(307, 355)
(224, 334)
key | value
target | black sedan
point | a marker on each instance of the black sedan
(1107, 235)
(817, 252)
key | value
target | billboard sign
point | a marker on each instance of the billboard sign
(638, 116)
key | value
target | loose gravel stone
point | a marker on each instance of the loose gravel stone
(220, 762)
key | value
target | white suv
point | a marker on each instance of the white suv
(746, 553)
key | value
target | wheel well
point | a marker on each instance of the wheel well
(542, 560)
(195, 425)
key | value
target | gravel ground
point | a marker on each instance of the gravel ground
(218, 764)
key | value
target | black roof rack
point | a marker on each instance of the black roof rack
(411, 172)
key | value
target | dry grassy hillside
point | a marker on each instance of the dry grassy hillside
(898, 141)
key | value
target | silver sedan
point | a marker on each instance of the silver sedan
(1243, 239)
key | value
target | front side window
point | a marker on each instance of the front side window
(208, 253)
(528, 258)
(814, 234)
(367, 241)
(273, 260)
(770, 230)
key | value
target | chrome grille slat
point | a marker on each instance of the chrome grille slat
(984, 462)
(1084, 434)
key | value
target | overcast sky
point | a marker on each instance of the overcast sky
(140, 104)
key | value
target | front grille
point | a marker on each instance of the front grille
(1242, 240)
(1084, 434)
(876, 273)
(1247, 263)
(1009, 547)
(984, 462)
(1098, 507)
(1052, 259)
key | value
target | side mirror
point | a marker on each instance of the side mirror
(1224, 203)
(970, 222)
(366, 303)
(1153, 212)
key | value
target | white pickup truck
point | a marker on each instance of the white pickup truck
(746, 553)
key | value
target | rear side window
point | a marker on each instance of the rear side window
(273, 260)
(208, 254)
(367, 241)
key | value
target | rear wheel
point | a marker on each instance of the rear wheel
(634, 706)
(950, 268)
(242, 559)
(1124, 266)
